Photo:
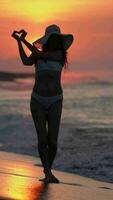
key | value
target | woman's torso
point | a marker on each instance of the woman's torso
(48, 78)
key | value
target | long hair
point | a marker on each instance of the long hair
(59, 46)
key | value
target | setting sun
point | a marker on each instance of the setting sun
(90, 22)
(38, 10)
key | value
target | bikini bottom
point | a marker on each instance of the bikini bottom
(46, 101)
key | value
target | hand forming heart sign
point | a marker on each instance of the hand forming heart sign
(19, 34)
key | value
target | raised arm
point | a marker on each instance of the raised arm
(36, 54)
(25, 59)
(32, 48)
(56, 55)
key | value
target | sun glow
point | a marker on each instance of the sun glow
(38, 11)
(41, 11)
(91, 23)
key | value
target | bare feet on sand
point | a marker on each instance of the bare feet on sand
(49, 178)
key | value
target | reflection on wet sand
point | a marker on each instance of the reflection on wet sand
(19, 180)
(21, 188)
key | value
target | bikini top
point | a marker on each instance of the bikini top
(48, 77)
(42, 64)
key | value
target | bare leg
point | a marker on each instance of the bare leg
(54, 117)
(39, 118)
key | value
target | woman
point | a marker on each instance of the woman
(47, 94)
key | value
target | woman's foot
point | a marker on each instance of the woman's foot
(54, 179)
(47, 174)
(51, 179)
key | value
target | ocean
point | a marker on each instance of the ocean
(85, 141)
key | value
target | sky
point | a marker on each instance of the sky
(90, 22)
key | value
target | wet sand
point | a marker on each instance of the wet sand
(20, 174)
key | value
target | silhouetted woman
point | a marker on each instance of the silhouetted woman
(47, 94)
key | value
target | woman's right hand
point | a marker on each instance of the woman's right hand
(14, 35)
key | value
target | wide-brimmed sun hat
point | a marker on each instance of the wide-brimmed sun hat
(51, 29)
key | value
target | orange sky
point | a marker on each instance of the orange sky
(91, 23)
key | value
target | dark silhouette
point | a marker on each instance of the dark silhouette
(47, 95)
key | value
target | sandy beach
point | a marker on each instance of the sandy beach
(19, 175)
